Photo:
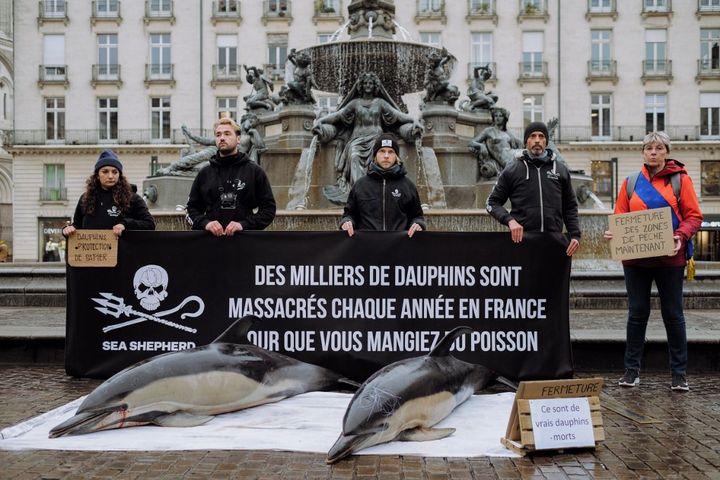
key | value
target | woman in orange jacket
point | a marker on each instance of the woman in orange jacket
(660, 183)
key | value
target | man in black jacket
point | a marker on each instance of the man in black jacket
(540, 192)
(225, 192)
(384, 199)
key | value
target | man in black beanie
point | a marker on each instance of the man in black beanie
(540, 192)
(384, 199)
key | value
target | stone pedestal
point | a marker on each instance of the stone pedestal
(292, 127)
(168, 194)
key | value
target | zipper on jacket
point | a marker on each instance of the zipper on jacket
(383, 195)
(542, 208)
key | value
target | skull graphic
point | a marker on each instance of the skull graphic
(150, 284)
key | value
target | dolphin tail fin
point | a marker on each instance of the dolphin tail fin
(344, 446)
(237, 332)
(425, 434)
(442, 349)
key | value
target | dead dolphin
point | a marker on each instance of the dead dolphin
(404, 399)
(185, 388)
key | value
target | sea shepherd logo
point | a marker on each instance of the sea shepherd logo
(150, 284)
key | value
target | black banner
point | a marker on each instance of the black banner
(349, 304)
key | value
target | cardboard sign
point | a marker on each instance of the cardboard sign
(562, 423)
(647, 233)
(92, 248)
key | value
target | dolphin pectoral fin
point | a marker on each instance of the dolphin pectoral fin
(181, 419)
(425, 434)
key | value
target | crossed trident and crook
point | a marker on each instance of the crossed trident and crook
(115, 306)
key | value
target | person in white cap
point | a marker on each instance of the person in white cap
(384, 199)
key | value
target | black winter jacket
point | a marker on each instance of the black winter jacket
(540, 193)
(235, 175)
(107, 214)
(384, 201)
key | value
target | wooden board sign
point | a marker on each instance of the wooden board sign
(92, 248)
(642, 234)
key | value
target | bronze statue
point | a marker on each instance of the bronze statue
(479, 99)
(259, 98)
(365, 112)
(437, 85)
(298, 91)
(495, 147)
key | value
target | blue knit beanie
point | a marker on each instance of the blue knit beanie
(108, 158)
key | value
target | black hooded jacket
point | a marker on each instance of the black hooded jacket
(234, 175)
(540, 193)
(386, 201)
(107, 214)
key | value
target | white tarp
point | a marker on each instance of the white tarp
(306, 423)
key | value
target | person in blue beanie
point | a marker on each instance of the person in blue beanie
(109, 202)
(384, 199)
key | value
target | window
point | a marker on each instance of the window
(107, 118)
(277, 53)
(481, 48)
(227, 6)
(160, 8)
(600, 50)
(656, 5)
(328, 6)
(710, 178)
(709, 115)
(52, 244)
(55, 118)
(227, 107)
(709, 5)
(481, 6)
(160, 66)
(277, 7)
(601, 172)
(431, 38)
(655, 51)
(709, 49)
(107, 56)
(532, 6)
(600, 116)
(533, 110)
(106, 8)
(429, 6)
(54, 57)
(532, 56)
(160, 118)
(601, 6)
(325, 37)
(54, 8)
(53, 183)
(326, 104)
(655, 112)
(4, 106)
(227, 55)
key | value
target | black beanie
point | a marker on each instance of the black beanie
(386, 140)
(108, 158)
(535, 127)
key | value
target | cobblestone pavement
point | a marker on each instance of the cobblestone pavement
(684, 443)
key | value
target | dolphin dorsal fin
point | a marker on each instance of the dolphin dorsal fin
(442, 349)
(237, 332)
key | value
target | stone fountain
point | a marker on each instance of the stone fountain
(301, 162)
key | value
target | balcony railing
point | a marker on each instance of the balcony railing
(92, 137)
(226, 74)
(107, 11)
(657, 10)
(159, 73)
(473, 65)
(48, 194)
(706, 7)
(276, 72)
(482, 10)
(52, 75)
(165, 14)
(277, 10)
(565, 133)
(602, 70)
(656, 70)
(226, 11)
(328, 10)
(52, 11)
(601, 10)
(708, 69)
(106, 74)
(533, 72)
(533, 10)
(430, 10)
